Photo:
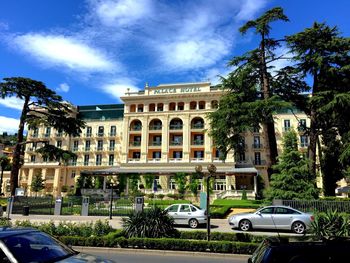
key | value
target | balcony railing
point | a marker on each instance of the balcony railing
(155, 127)
(197, 160)
(46, 135)
(257, 145)
(259, 162)
(175, 160)
(134, 160)
(198, 126)
(153, 160)
(88, 134)
(176, 126)
(87, 149)
(155, 143)
(173, 143)
(111, 148)
(286, 129)
(198, 142)
(100, 134)
(137, 143)
(136, 128)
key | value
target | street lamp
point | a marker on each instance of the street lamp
(212, 170)
(111, 202)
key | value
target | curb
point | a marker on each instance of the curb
(109, 250)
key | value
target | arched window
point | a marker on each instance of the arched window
(155, 124)
(176, 124)
(197, 123)
(136, 125)
(201, 105)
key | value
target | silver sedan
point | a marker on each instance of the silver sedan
(187, 214)
(273, 217)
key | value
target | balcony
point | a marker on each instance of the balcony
(197, 126)
(197, 142)
(135, 144)
(99, 149)
(257, 146)
(176, 126)
(175, 160)
(259, 162)
(134, 160)
(175, 143)
(136, 128)
(111, 149)
(87, 149)
(154, 160)
(218, 160)
(155, 143)
(112, 134)
(100, 134)
(47, 135)
(88, 134)
(197, 160)
(286, 129)
(155, 127)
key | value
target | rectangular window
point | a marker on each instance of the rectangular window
(100, 131)
(304, 141)
(256, 129)
(302, 125)
(32, 158)
(172, 184)
(98, 159)
(86, 159)
(198, 154)
(45, 159)
(47, 132)
(111, 145)
(99, 145)
(111, 159)
(286, 126)
(113, 131)
(157, 155)
(75, 146)
(241, 157)
(74, 161)
(87, 145)
(136, 155)
(88, 131)
(257, 158)
(72, 175)
(177, 154)
(59, 133)
(59, 144)
(256, 144)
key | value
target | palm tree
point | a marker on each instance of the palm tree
(4, 162)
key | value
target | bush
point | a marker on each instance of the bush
(153, 222)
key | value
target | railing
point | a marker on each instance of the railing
(156, 143)
(112, 134)
(197, 142)
(135, 143)
(154, 160)
(176, 126)
(135, 128)
(100, 134)
(134, 160)
(286, 129)
(174, 143)
(155, 127)
(175, 160)
(197, 160)
(217, 160)
(259, 162)
(316, 205)
(88, 134)
(111, 148)
(197, 126)
(257, 145)
(235, 193)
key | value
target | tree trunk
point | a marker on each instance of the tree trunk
(268, 125)
(2, 176)
(16, 160)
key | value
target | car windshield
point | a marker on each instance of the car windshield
(36, 247)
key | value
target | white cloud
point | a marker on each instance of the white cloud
(63, 87)
(249, 8)
(60, 50)
(12, 102)
(9, 125)
(119, 87)
(118, 13)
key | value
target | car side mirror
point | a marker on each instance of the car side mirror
(258, 213)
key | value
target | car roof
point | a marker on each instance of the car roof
(9, 231)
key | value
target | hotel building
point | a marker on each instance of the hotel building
(160, 130)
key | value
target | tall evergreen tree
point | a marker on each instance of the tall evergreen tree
(4, 162)
(322, 54)
(291, 179)
(249, 100)
(41, 106)
(38, 183)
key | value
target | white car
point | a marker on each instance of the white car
(273, 217)
(184, 214)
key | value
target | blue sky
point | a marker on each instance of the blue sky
(91, 51)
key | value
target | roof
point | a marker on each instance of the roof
(9, 231)
(101, 112)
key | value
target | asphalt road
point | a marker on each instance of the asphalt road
(157, 256)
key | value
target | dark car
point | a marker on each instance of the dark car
(280, 250)
(23, 245)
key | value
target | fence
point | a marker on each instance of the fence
(315, 205)
(72, 205)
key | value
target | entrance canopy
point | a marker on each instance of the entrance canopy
(166, 169)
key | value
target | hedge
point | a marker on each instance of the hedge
(163, 244)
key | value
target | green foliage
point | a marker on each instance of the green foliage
(331, 225)
(194, 183)
(154, 222)
(99, 182)
(180, 180)
(37, 183)
(64, 188)
(244, 195)
(149, 179)
(240, 203)
(291, 179)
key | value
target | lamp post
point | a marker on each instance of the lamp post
(111, 202)
(212, 170)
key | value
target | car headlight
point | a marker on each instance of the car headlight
(231, 218)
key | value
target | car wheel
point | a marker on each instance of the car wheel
(245, 225)
(298, 227)
(193, 223)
